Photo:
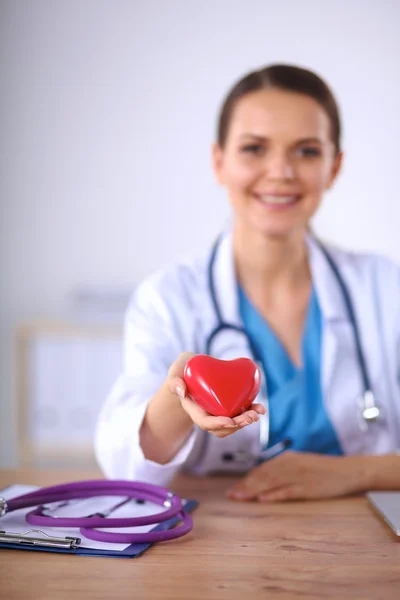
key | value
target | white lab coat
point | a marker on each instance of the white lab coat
(172, 312)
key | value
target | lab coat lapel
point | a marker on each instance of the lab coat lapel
(227, 344)
(332, 306)
(340, 373)
(225, 281)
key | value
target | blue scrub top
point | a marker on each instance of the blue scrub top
(296, 406)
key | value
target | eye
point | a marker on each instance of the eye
(252, 149)
(309, 152)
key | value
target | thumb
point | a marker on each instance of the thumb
(177, 386)
(178, 366)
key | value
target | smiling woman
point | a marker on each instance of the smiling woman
(278, 147)
(322, 324)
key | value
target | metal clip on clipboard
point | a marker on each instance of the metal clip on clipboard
(48, 541)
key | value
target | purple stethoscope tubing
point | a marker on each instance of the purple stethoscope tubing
(93, 488)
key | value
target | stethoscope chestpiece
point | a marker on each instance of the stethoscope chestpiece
(370, 411)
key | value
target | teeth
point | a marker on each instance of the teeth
(278, 199)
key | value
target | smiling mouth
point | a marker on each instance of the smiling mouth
(277, 200)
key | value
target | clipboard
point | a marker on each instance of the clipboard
(15, 532)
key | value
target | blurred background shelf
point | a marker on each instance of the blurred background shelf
(65, 370)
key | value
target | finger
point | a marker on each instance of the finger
(246, 418)
(176, 385)
(223, 433)
(262, 479)
(259, 408)
(203, 419)
(281, 494)
(241, 495)
(247, 489)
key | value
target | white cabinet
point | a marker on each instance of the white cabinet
(65, 372)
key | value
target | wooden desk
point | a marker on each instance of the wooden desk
(330, 549)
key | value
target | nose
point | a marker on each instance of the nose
(279, 166)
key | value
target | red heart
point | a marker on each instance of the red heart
(222, 387)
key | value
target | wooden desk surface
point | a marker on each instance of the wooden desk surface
(329, 549)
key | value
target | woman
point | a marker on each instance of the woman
(278, 150)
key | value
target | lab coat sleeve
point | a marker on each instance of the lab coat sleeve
(397, 330)
(159, 325)
(386, 278)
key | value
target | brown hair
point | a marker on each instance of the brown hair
(284, 77)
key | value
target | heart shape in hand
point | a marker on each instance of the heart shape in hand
(224, 388)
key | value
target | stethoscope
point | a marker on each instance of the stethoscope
(89, 525)
(368, 409)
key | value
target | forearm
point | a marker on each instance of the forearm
(376, 472)
(165, 427)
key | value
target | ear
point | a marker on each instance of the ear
(336, 168)
(217, 161)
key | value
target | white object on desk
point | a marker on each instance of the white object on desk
(387, 504)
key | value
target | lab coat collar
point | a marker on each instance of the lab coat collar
(329, 294)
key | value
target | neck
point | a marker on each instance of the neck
(265, 261)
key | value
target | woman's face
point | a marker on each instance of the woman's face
(277, 161)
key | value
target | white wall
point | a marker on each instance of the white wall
(107, 114)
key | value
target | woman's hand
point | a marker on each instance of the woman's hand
(219, 426)
(171, 413)
(303, 475)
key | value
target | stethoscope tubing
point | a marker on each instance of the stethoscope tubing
(221, 325)
(87, 525)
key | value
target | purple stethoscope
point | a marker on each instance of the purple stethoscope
(87, 525)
